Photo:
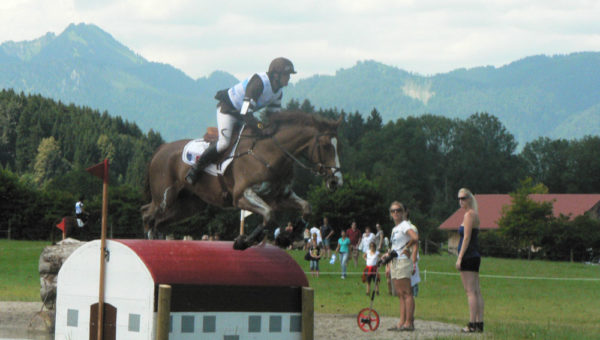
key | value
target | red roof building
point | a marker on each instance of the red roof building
(490, 210)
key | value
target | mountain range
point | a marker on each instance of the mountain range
(554, 96)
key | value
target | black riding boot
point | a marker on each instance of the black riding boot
(208, 156)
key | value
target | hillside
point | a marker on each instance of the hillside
(536, 96)
(86, 66)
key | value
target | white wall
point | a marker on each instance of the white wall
(128, 287)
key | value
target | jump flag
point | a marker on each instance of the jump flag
(61, 225)
(99, 170)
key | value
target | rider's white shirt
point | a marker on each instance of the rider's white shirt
(238, 92)
(78, 207)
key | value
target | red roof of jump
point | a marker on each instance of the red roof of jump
(217, 263)
(490, 208)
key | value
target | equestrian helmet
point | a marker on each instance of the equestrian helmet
(281, 65)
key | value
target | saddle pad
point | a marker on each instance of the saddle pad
(194, 149)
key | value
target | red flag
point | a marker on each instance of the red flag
(62, 225)
(99, 170)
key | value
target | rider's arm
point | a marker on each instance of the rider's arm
(254, 89)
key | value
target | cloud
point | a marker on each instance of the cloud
(241, 37)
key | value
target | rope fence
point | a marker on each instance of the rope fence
(425, 273)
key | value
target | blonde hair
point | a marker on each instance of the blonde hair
(472, 201)
(397, 203)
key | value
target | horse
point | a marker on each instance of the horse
(259, 178)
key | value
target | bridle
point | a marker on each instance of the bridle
(318, 169)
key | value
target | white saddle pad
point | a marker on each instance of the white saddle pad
(194, 149)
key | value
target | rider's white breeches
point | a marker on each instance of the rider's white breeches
(225, 124)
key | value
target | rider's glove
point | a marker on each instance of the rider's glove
(251, 121)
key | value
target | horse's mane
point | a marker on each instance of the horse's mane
(297, 117)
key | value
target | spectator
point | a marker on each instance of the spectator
(379, 237)
(82, 217)
(327, 234)
(403, 265)
(316, 231)
(306, 238)
(469, 260)
(367, 238)
(354, 235)
(314, 251)
(276, 233)
(371, 271)
(343, 251)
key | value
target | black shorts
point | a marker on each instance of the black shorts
(470, 264)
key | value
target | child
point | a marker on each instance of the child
(306, 238)
(314, 249)
(371, 272)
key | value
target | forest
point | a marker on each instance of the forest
(45, 147)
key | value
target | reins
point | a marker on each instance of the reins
(318, 169)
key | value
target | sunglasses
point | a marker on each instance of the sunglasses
(462, 198)
(396, 210)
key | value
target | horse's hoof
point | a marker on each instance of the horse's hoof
(240, 243)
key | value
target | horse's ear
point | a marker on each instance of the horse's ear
(340, 120)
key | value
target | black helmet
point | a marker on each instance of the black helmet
(281, 65)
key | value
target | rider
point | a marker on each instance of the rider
(237, 103)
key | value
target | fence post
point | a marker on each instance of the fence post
(308, 313)
(163, 315)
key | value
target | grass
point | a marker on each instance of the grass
(515, 308)
(19, 277)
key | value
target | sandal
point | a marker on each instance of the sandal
(471, 328)
(396, 329)
(408, 329)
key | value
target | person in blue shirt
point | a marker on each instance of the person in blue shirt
(342, 251)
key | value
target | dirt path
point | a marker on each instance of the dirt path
(15, 318)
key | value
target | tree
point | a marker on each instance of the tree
(524, 221)
(307, 106)
(374, 121)
(547, 161)
(49, 162)
(482, 156)
(357, 200)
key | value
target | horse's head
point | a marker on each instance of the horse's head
(324, 153)
(316, 137)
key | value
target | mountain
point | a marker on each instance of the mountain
(86, 66)
(554, 96)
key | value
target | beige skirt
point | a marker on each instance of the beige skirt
(401, 269)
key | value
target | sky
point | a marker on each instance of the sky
(320, 36)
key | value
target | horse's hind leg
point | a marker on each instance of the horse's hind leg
(149, 219)
(252, 202)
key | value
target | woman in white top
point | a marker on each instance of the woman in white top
(366, 240)
(404, 239)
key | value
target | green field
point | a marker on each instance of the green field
(563, 303)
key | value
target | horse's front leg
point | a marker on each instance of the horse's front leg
(304, 205)
(252, 202)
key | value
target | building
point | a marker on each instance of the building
(217, 292)
(490, 211)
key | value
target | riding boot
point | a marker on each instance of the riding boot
(208, 156)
